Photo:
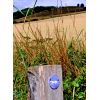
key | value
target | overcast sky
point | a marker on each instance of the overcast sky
(21, 4)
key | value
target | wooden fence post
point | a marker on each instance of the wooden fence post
(45, 82)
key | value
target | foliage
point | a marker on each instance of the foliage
(41, 58)
(82, 5)
(78, 83)
(77, 59)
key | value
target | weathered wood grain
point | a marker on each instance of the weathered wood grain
(38, 77)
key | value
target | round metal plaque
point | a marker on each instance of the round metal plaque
(54, 82)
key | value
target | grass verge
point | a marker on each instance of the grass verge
(70, 54)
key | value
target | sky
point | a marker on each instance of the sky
(21, 4)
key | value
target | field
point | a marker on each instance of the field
(73, 25)
(59, 40)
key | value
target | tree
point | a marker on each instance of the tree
(78, 5)
(82, 5)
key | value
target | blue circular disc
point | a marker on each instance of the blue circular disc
(54, 82)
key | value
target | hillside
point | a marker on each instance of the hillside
(41, 12)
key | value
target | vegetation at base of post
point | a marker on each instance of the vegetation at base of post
(51, 52)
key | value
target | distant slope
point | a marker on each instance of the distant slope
(40, 11)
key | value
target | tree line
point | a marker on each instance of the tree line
(38, 9)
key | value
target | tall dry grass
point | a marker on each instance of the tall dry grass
(56, 47)
(37, 49)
